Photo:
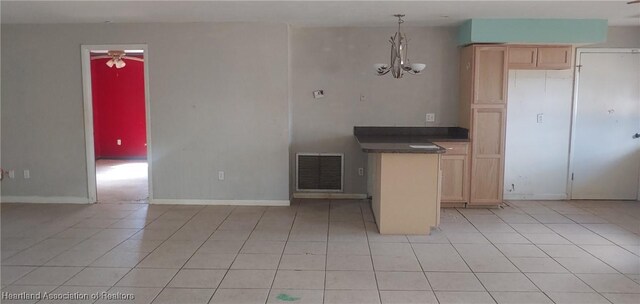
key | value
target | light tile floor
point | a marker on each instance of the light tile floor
(323, 252)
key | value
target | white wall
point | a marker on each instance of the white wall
(536, 156)
(219, 101)
(340, 61)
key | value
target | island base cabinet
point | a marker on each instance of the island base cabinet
(455, 174)
(454, 181)
(406, 192)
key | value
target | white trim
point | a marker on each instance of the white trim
(541, 197)
(88, 114)
(328, 195)
(123, 57)
(220, 202)
(574, 108)
(45, 199)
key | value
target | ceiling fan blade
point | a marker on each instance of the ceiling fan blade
(634, 1)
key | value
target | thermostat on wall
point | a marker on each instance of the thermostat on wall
(318, 94)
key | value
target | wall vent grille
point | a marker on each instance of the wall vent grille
(319, 172)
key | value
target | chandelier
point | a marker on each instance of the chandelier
(399, 61)
(116, 59)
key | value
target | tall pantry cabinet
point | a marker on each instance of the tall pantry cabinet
(483, 109)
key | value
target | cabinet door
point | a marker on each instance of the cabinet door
(487, 156)
(454, 182)
(490, 71)
(554, 58)
(523, 57)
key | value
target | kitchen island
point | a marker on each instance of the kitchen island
(404, 175)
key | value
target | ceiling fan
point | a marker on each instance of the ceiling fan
(116, 59)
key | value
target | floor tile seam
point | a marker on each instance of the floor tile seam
(161, 243)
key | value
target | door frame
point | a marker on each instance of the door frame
(92, 187)
(574, 107)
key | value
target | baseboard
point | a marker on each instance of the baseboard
(538, 197)
(220, 202)
(329, 195)
(45, 199)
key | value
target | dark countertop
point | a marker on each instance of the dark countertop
(400, 139)
(425, 148)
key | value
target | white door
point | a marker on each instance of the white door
(606, 149)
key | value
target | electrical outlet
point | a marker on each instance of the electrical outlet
(540, 118)
(430, 117)
(27, 175)
(119, 142)
(361, 171)
(220, 175)
(12, 174)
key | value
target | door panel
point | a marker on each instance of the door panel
(488, 125)
(554, 58)
(485, 184)
(487, 156)
(523, 57)
(454, 184)
(606, 157)
(490, 80)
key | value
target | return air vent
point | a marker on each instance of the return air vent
(319, 172)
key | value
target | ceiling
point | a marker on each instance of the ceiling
(311, 13)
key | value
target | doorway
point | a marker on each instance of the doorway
(605, 150)
(116, 107)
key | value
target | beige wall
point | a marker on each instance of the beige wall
(224, 96)
(219, 101)
(621, 36)
(340, 61)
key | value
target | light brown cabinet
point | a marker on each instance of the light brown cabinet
(521, 58)
(554, 58)
(487, 157)
(490, 75)
(483, 105)
(547, 57)
(455, 173)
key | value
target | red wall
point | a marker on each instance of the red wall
(118, 109)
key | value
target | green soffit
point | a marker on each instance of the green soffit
(566, 31)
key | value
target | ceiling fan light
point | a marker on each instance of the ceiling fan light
(120, 64)
(110, 63)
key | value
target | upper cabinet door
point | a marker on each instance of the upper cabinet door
(523, 57)
(490, 64)
(554, 58)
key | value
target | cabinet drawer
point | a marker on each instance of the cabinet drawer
(454, 148)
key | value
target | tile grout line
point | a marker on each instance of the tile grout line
(281, 255)
(83, 267)
(373, 265)
(134, 267)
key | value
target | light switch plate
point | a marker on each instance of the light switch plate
(318, 94)
(220, 175)
(540, 118)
